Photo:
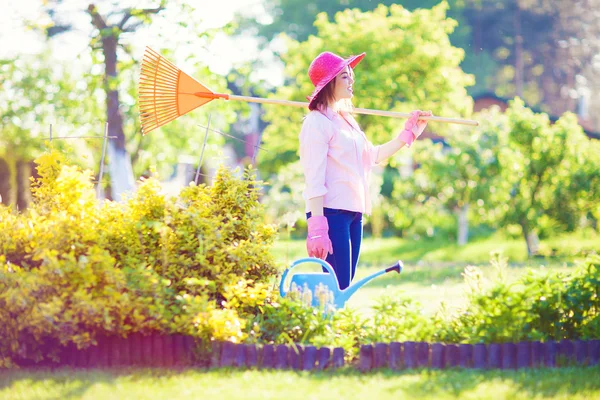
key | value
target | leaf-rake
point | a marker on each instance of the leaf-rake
(166, 93)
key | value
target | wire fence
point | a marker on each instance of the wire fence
(255, 145)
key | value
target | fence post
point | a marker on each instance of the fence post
(323, 358)
(480, 356)
(523, 355)
(495, 356)
(410, 355)
(215, 354)
(395, 361)
(509, 356)
(366, 357)
(295, 357)
(537, 354)
(594, 352)
(338, 357)
(239, 355)
(268, 356)
(423, 354)
(566, 351)
(465, 352)
(438, 360)
(251, 356)
(550, 353)
(281, 357)
(310, 358)
(452, 355)
(380, 355)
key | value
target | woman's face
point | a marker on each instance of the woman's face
(343, 84)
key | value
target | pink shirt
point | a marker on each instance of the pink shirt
(337, 159)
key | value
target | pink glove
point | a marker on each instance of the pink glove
(414, 127)
(317, 242)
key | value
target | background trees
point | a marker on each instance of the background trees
(417, 69)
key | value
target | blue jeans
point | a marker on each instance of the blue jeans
(345, 233)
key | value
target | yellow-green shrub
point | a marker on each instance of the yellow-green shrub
(71, 268)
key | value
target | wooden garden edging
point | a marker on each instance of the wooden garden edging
(156, 350)
(479, 356)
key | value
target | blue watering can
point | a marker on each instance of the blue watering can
(321, 289)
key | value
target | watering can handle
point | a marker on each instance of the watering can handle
(301, 261)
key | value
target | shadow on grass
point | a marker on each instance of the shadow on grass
(559, 382)
(531, 383)
(74, 382)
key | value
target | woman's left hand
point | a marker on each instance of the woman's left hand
(416, 125)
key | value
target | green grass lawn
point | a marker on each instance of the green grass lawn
(432, 270)
(564, 383)
(385, 251)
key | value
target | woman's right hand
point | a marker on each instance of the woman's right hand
(318, 243)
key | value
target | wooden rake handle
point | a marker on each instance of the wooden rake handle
(365, 111)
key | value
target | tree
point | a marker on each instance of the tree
(296, 18)
(547, 171)
(38, 92)
(542, 46)
(112, 26)
(460, 177)
(418, 69)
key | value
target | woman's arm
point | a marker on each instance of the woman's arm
(315, 206)
(412, 130)
(388, 149)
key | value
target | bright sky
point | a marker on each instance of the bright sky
(16, 39)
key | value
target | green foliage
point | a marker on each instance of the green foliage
(460, 176)
(539, 306)
(545, 170)
(289, 321)
(417, 69)
(73, 269)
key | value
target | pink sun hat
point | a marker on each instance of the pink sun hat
(325, 67)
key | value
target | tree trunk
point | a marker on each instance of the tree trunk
(532, 240)
(463, 225)
(121, 174)
(23, 185)
(121, 171)
(6, 192)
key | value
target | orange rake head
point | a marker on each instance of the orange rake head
(166, 92)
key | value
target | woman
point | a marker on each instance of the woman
(337, 158)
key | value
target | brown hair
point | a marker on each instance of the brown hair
(324, 97)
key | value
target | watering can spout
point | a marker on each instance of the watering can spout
(349, 291)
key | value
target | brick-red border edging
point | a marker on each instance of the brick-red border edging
(157, 350)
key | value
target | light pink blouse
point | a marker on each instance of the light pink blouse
(337, 159)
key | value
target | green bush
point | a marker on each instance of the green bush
(72, 269)
(539, 306)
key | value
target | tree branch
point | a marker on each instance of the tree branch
(124, 20)
(97, 19)
(138, 12)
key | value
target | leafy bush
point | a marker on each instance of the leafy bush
(72, 269)
(539, 306)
